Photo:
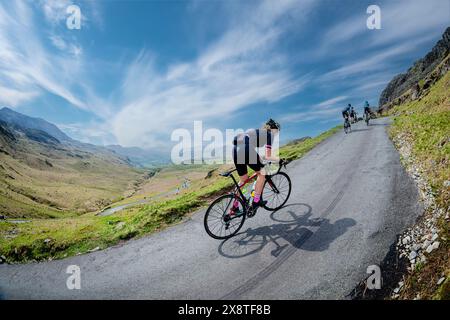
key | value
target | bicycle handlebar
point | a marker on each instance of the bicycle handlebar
(282, 163)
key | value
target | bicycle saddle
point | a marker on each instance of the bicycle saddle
(227, 173)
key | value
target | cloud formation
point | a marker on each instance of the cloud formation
(250, 62)
(241, 68)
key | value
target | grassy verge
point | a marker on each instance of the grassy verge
(425, 125)
(57, 238)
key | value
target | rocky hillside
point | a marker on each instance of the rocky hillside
(421, 132)
(414, 79)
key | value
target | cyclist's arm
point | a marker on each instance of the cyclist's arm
(268, 152)
(269, 156)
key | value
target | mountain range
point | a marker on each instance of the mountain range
(133, 155)
(20, 120)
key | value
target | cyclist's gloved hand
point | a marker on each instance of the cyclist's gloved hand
(272, 159)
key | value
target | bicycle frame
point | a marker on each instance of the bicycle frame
(236, 184)
(249, 179)
(346, 122)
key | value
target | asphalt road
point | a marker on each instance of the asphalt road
(350, 199)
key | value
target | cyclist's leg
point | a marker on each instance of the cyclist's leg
(240, 163)
(258, 167)
(345, 116)
(259, 183)
(241, 168)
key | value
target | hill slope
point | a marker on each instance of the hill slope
(414, 77)
(421, 131)
(15, 118)
(42, 176)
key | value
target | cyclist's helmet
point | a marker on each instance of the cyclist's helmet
(349, 104)
(272, 124)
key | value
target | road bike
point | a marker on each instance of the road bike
(354, 117)
(222, 220)
(367, 117)
(347, 126)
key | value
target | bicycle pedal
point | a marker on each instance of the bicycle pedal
(251, 212)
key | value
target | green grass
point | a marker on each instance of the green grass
(57, 238)
(15, 209)
(31, 189)
(425, 124)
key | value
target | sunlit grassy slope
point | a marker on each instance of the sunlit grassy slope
(52, 181)
(425, 125)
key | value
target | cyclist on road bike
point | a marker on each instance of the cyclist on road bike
(245, 154)
(352, 113)
(366, 108)
(346, 111)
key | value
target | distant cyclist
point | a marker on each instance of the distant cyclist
(353, 113)
(367, 108)
(367, 112)
(346, 111)
(245, 154)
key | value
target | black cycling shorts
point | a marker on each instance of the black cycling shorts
(245, 155)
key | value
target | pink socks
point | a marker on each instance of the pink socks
(256, 198)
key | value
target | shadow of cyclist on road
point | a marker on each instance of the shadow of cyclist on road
(294, 228)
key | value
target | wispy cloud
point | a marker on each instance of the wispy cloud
(239, 69)
(55, 10)
(72, 48)
(400, 21)
(90, 132)
(380, 59)
(331, 102)
(28, 67)
(323, 111)
(312, 114)
(13, 97)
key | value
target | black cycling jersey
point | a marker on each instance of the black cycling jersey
(345, 114)
(244, 152)
(256, 138)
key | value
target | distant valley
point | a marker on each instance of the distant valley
(46, 174)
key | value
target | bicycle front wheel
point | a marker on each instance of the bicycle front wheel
(220, 222)
(276, 191)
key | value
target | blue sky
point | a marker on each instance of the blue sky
(136, 70)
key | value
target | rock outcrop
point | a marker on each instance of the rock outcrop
(417, 78)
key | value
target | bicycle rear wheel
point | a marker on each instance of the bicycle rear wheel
(346, 127)
(276, 191)
(219, 222)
